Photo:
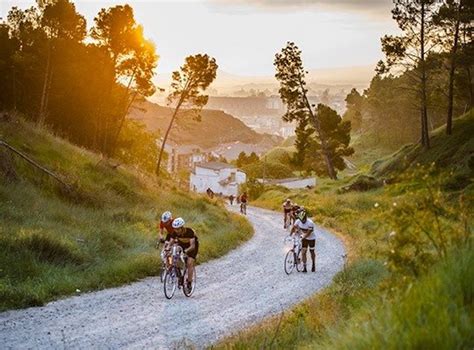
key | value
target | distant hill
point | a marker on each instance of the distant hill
(214, 129)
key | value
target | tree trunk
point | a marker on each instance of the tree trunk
(42, 110)
(122, 121)
(471, 88)
(452, 69)
(425, 138)
(124, 114)
(165, 138)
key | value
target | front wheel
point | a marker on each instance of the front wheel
(186, 291)
(170, 283)
(289, 261)
(299, 261)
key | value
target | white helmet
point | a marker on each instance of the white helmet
(166, 216)
(178, 222)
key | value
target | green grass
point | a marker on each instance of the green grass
(399, 290)
(99, 235)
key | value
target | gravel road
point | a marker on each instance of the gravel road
(233, 292)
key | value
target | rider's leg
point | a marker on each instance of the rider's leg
(313, 258)
(303, 254)
(190, 265)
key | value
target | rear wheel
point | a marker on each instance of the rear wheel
(186, 291)
(170, 283)
(289, 261)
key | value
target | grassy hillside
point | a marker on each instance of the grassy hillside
(453, 153)
(215, 127)
(408, 281)
(100, 234)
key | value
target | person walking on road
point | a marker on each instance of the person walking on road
(305, 226)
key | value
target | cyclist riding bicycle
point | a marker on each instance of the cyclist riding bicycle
(186, 239)
(165, 225)
(243, 203)
(287, 209)
(305, 226)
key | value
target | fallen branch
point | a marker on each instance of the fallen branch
(35, 164)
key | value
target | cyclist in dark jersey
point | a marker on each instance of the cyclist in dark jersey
(186, 239)
(243, 203)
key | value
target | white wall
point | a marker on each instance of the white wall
(204, 178)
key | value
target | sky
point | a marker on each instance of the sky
(244, 35)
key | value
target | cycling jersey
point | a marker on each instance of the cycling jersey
(243, 199)
(184, 241)
(167, 225)
(287, 207)
(305, 227)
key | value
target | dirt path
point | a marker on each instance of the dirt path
(233, 292)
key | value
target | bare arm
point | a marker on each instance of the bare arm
(191, 246)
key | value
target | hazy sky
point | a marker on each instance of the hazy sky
(244, 35)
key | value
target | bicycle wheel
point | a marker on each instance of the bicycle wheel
(186, 291)
(289, 261)
(170, 283)
(299, 262)
(162, 273)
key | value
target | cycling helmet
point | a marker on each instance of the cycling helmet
(178, 223)
(302, 215)
(288, 200)
(166, 216)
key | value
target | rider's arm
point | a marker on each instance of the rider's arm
(191, 246)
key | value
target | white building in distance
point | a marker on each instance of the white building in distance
(219, 177)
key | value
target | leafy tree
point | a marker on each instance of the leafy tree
(291, 75)
(450, 18)
(354, 101)
(243, 159)
(409, 50)
(187, 88)
(133, 58)
(137, 146)
(59, 21)
(337, 131)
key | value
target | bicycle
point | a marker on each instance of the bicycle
(174, 278)
(293, 257)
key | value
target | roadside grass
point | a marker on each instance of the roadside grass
(100, 234)
(374, 302)
(408, 280)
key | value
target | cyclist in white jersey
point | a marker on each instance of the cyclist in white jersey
(305, 226)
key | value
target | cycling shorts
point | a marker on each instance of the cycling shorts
(309, 243)
(287, 210)
(192, 253)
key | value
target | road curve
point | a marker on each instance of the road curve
(233, 292)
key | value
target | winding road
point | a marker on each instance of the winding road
(233, 292)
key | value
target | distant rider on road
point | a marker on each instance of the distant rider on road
(243, 203)
(287, 208)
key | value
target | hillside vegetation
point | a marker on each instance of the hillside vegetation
(408, 280)
(214, 129)
(101, 233)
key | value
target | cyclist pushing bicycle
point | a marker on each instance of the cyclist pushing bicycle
(305, 226)
(186, 239)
